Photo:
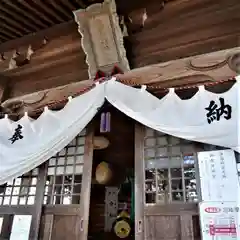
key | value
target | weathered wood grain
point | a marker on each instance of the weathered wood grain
(198, 69)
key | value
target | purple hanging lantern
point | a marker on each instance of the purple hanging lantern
(105, 122)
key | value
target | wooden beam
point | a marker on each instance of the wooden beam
(38, 206)
(214, 66)
(51, 32)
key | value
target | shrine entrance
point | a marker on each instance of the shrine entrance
(112, 213)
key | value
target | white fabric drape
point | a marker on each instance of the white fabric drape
(181, 118)
(44, 137)
(53, 130)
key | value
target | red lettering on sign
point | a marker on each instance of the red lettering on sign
(212, 210)
(222, 230)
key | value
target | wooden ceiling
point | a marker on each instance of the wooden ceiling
(23, 17)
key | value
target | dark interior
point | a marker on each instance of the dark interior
(120, 157)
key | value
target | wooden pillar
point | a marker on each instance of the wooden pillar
(37, 212)
(139, 182)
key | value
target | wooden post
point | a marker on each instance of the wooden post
(37, 212)
(139, 182)
(82, 227)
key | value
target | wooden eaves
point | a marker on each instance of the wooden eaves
(200, 69)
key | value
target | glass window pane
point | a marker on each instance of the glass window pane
(16, 190)
(79, 159)
(176, 173)
(150, 197)
(175, 150)
(149, 153)
(62, 152)
(63, 177)
(18, 181)
(23, 200)
(8, 191)
(150, 186)
(149, 132)
(163, 197)
(52, 162)
(150, 174)
(79, 169)
(191, 196)
(70, 160)
(169, 168)
(162, 141)
(177, 185)
(174, 140)
(61, 161)
(80, 150)
(60, 170)
(150, 142)
(162, 152)
(69, 169)
(177, 196)
(80, 141)
(14, 200)
(6, 201)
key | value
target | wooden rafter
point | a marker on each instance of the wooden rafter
(26, 14)
(69, 4)
(48, 10)
(29, 39)
(13, 23)
(17, 16)
(36, 11)
(81, 3)
(10, 30)
(7, 34)
(60, 9)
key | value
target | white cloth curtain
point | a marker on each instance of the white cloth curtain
(44, 137)
(53, 130)
(183, 118)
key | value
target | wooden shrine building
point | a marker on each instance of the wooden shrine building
(54, 49)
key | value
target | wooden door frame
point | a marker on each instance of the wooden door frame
(82, 229)
(139, 181)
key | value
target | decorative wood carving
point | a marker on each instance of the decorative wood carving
(19, 57)
(164, 75)
(234, 62)
(102, 38)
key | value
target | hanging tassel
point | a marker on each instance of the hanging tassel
(105, 122)
(108, 122)
(102, 123)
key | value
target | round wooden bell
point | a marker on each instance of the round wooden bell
(103, 173)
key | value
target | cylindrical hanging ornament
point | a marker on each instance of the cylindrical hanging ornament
(105, 122)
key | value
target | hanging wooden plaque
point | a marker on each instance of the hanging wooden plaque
(102, 38)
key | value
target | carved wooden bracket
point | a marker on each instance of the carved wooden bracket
(102, 38)
(19, 57)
